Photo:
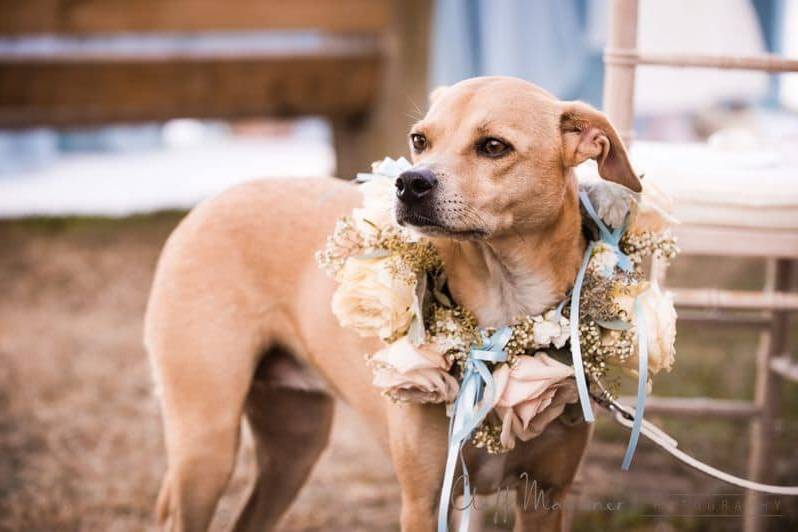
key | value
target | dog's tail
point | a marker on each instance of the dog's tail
(163, 503)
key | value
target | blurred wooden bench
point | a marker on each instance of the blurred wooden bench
(360, 63)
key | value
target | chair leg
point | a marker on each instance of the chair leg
(619, 79)
(773, 342)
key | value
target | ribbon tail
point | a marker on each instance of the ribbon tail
(446, 489)
(474, 401)
(458, 432)
(465, 517)
(640, 402)
(576, 350)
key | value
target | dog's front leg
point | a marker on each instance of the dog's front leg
(555, 458)
(418, 437)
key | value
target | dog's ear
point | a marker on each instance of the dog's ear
(587, 134)
(436, 94)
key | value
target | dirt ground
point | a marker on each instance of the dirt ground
(80, 435)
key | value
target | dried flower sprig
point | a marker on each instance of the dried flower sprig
(638, 245)
(600, 294)
(601, 346)
(488, 436)
(454, 330)
(411, 257)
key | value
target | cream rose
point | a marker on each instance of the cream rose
(660, 317)
(371, 300)
(530, 395)
(624, 295)
(411, 373)
(379, 194)
(652, 211)
(378, 205)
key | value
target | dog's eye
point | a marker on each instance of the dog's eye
(419, 142)
(493, 147)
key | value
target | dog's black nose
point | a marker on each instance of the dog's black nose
(412, 185)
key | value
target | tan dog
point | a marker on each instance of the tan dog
(239, 319)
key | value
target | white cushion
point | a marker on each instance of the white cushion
(726, 187)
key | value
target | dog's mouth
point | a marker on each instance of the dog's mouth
(431, 226)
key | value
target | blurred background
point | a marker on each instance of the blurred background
(117, 116)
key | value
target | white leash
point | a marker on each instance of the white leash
(625, 416)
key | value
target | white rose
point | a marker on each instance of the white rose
(378, 205)
(371, 300)
(418, 374)
(550, 330)
(660, 317)
(652, 211)
(387, 168)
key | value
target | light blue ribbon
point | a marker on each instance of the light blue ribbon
(576, 349)
(473, 402)
(612, 238)
(642, 384)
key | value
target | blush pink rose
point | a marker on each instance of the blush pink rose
(417, 374)
(531, 395)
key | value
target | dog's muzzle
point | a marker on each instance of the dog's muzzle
(418, 206)
(412, 186)
(414, 189)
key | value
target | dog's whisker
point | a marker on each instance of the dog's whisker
(419, 112)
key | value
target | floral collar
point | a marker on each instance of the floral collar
(506, 384)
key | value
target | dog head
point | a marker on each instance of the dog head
(494, 155)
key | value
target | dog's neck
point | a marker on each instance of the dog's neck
(501, 279)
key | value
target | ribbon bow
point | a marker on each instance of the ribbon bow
(473, 402)
(611, 237)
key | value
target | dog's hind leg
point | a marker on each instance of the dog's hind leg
(290, 428)
(204, 380)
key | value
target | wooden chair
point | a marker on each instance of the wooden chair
(732, 234)
(360, 63)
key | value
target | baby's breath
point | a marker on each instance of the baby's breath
(344, 242)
